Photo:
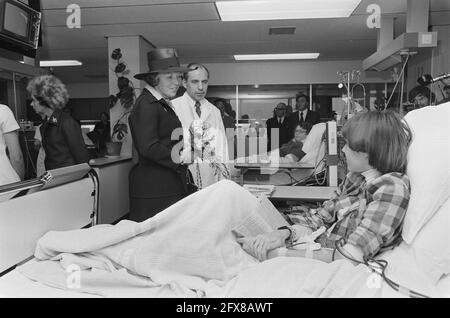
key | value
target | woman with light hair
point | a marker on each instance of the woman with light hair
(160, 178)
(61, 134)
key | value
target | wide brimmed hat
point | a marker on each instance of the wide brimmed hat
(163, 60)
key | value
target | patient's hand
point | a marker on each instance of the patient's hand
(259, 245)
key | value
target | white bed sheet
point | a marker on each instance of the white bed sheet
(16, 285)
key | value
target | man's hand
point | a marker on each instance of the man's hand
(259, 245)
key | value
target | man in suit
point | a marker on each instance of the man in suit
(279, 125)
(303, 114)
(193, 106)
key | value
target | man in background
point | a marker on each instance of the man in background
(421, 96)
(447, 94)
(228, 121)
(279, 125)
(303, 114)
(288, 110)
(193, 106)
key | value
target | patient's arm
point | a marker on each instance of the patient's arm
(324, 254)
(267, 245)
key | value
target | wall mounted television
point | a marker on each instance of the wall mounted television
(19, 27)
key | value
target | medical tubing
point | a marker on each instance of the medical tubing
(382, 264)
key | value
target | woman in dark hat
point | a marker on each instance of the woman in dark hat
(160, 178)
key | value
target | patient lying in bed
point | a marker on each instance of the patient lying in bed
(311, 153)
(196, 243)
(293, 150)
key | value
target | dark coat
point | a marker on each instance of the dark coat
(156, 175)
(312, 117)
(62, 141)
(283, 132)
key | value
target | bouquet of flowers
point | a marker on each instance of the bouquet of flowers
(201, 136)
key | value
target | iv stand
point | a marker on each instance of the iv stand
(346, 78)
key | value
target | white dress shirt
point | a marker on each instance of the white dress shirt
(305, 112)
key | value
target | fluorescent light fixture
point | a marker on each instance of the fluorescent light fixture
(288, 56)
(60, 63)
(285, 9)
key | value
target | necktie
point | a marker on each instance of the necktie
(301, 117)
(197, 109)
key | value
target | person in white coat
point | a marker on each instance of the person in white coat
(193, 108)
(12, 167)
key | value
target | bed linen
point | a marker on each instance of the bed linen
(186, 251)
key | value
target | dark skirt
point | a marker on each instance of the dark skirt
(143, 208)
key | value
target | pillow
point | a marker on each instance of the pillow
(431, 246)
(312, 141)
(312, 145)
(428, 166)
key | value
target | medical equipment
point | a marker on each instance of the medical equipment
(346, 78)
(320, 162)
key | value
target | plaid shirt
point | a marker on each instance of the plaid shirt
(366, 212)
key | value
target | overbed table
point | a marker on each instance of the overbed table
(298, 193)
(269, 167)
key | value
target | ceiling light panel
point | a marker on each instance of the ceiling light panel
(285, 9)
(287, 56)
(60, 63)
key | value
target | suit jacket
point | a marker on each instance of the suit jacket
(156, 175)
(62, 141)
(283, 132)
(312, 117)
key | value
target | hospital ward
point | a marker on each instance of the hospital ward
(225, 149)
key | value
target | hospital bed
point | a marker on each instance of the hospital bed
(421, 262)
(62, 199)
(321, 148)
